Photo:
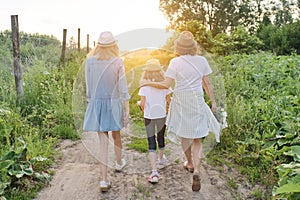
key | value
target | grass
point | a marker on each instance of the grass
(138, 144)
(142, 191)
(232, 183)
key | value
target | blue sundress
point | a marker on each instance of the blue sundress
(106, 90)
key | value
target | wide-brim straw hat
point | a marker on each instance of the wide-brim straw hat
(153, 65)
(185, 41)
(106, 39)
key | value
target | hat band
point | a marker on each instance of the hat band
(107, 43)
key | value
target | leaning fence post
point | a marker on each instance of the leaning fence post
(78, 39)
(16, 53)
(87, 43)
(63, 49)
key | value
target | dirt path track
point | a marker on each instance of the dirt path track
(77, 177)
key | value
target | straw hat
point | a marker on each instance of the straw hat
(153, 65)
(106, 39)
(185, 41)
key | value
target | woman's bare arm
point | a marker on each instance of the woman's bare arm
(209, 90)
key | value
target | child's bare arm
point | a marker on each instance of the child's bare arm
(168, 99)
(143, 102)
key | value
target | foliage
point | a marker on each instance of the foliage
(209, 13)
(263, 116)
(289, 175)
(222, 16)
(238, 41)
(32, 49)
(227, 27)
(282, 40)
(23, 154)
(29, 131)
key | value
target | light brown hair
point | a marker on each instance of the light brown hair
(155, 76)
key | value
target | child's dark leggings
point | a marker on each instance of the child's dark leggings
(160, 126)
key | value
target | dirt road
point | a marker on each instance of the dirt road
(77, 176)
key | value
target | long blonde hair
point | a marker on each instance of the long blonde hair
(104, 53)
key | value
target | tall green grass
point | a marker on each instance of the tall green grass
(30, 131)
(263, 108)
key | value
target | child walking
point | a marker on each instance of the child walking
(153, 103)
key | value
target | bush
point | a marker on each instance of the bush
(263, 115)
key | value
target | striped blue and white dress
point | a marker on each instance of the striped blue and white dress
(106, 90)
(189, 116)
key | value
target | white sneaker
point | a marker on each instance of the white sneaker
(153, 178)
(104, 186)
(121, 166)
(163, 160)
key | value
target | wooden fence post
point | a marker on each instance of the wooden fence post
(87, 43)
(16, 53)
(63, 49)
(78, 39)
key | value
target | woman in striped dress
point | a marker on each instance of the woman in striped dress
(187, 116)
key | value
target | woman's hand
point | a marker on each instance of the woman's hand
(126, 119)
(213, 107)
(126, 114)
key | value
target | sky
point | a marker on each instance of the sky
(50, 17)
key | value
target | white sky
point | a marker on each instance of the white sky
(91, 16)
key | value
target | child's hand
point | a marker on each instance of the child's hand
(139, 104)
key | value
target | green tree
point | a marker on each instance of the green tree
(224, 16)
(238, 41)
(217, 16)
(282, 11)
(264, 33)
(292, 33)
(282, 40)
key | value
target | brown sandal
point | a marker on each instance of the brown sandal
(196, 182)
(189, 169)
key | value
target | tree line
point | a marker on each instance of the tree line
(226, 27)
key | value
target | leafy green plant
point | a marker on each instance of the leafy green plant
(289, 175)
(29, 131)
(263, 116)
(15, 166)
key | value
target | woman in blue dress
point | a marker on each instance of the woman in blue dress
(107, 95)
